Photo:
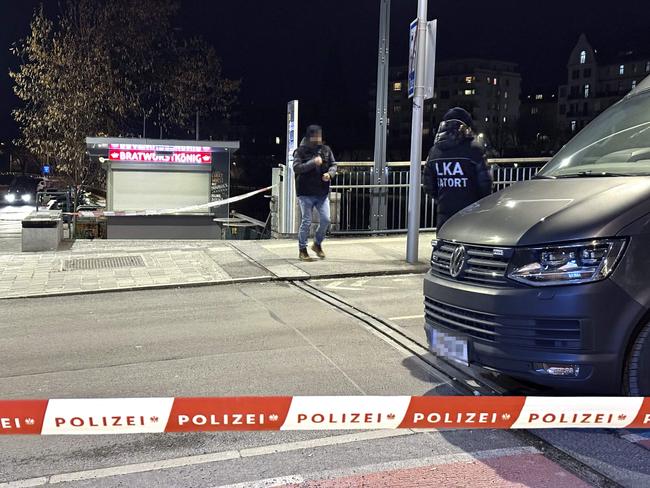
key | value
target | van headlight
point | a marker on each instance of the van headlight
(570, 264)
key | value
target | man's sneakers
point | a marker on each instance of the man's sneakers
(304, 255)
(318, 250)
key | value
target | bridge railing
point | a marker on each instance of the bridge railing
(354, 185)
(355, 191)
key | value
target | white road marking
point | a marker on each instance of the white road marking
(357, 285)
(181, 462)
(461, 457)
(336, 285)
(407, 317)
(267, 483)
(25, 483)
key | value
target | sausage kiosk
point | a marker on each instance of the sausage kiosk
(164, 177)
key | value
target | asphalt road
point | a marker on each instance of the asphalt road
(251, 339)
(11, 227)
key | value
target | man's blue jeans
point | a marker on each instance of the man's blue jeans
(307, 204)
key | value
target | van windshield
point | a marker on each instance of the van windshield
(617, 143)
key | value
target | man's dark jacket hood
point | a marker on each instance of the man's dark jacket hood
(455, 129)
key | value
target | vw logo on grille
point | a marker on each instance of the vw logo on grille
(457, 262)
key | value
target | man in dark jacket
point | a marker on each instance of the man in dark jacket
(314, 167)
(456, 174)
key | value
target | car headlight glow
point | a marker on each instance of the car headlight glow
(10, 197)
(26, 198)
(566, 264)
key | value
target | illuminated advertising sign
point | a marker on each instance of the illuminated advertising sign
(140, 153)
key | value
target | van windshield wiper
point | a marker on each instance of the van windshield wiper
(592, 174)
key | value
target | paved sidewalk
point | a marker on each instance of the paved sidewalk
(127, 265)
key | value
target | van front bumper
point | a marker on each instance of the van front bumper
(515, 330)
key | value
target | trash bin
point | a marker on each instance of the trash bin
(237, 229)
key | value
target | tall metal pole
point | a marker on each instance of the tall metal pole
(289, 184)
(378, 213)
(416, 138)
(197, 125)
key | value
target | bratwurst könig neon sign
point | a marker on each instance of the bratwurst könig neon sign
(140, 153)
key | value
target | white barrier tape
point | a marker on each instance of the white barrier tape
(167, 211)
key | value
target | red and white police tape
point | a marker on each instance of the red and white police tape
(157, 415)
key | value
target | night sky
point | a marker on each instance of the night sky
(324, 52)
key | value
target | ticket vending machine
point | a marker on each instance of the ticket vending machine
(159, 189)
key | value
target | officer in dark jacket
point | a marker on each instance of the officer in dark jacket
(456, 174)
(314, 167)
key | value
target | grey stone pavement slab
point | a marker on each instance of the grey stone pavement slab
(193, 263)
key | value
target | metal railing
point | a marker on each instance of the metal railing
(354, 184)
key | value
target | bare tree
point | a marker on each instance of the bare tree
(99, 67)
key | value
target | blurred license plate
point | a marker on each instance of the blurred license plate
(448, 346)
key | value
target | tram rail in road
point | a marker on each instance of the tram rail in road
(464, 382)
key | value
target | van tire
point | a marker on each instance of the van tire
(636, 378)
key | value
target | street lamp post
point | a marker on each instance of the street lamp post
(378, 214)
(416, 138)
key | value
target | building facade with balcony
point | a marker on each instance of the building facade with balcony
(595, 81)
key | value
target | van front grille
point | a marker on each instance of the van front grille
(483, 266)
(554, 334)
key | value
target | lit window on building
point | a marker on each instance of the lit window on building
(469, 79)
(435, 106)
(587, 90)
(621, 69)
(505, 94)
(470, 92)
(534, 110)
(426, 131)
(277, 140)
(397, 108)
(494, 82)
(487, 119)
(397, 86)
(505, 119)
(574, 124)
(489, 79)
(539, 97)
(583, 57)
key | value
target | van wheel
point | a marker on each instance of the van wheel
(636, 379)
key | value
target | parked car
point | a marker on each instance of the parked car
(22, 191)
(547, 280)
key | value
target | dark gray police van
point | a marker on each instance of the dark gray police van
(549, 280)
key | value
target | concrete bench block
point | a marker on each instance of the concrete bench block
(42, 231)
